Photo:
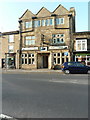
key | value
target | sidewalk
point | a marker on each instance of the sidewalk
(27, 71)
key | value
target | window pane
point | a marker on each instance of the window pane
(29, 55)
(54, 54)
(62, 54)
(32, 60)
(28, 37)
(83, 46)
(43, 22)
(51, 21)
(28, 24)
(62, 40)
(54, 40)
(58, 54)
(29, 61)
(25, 55)
(32, 55)
(38, 23)
(79, 45)
(11, 38)
(22, 60)
(54, 60)
(62, 20)
(66, 59)
(25, 61)
(62, 60)
(32, 42)
(58, 60)
(35, 23)
(58, 40)
(22, 55)
(32, 37)
(47, 22)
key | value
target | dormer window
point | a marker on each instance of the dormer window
(59, 21)
(28, 24)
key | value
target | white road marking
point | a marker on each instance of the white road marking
(70, 81)
(5, 116)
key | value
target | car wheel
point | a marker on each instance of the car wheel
(66, 71)
(88, 71)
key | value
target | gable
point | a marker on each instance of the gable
(43, 12)
(60, 10)
(27, 15)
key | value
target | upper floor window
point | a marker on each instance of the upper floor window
(58, 38)
(11, 38)
(10, 48)
(28, 24)
(81, 45)
(43, 22)
(47, 22)
(51, 22)
(59, 21)
(30, 40)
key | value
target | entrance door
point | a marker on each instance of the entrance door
(45, 61)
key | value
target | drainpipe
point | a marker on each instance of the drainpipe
(20, 44)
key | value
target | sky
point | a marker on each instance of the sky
(12, 10)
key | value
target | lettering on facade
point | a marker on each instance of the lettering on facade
(58, 47)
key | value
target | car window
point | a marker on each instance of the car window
(78, 64)
(70, 64)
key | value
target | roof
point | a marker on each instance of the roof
(10, 33)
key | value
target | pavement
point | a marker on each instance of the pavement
(27, 71)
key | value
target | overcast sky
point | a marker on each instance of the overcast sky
(11, 12)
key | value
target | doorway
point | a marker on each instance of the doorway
(45, 61)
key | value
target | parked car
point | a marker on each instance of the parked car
(74, 67)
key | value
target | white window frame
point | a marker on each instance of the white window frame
(28, 24)
(10, 48)
(58, 21)
(81, 40)
(30, 40)
(11, 38)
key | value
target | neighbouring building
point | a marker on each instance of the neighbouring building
(81, 50)
(9, 55)
(46, 37)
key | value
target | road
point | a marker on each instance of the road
(45, 95)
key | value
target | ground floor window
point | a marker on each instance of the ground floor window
(28, 58)
(60, 58)
(83, 58)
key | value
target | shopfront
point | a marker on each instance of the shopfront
(83, 57)
(10, 59)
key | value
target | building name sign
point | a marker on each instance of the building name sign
(58, 47)
(31, 48)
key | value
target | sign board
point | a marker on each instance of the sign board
(30, 48)
(43, 48)
(58, 47)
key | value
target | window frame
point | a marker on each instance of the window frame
(81, 43)
(10, 38)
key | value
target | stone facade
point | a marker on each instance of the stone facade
(43, 40)
(47, 49)
(9, 49)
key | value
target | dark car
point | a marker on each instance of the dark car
(74, 67)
